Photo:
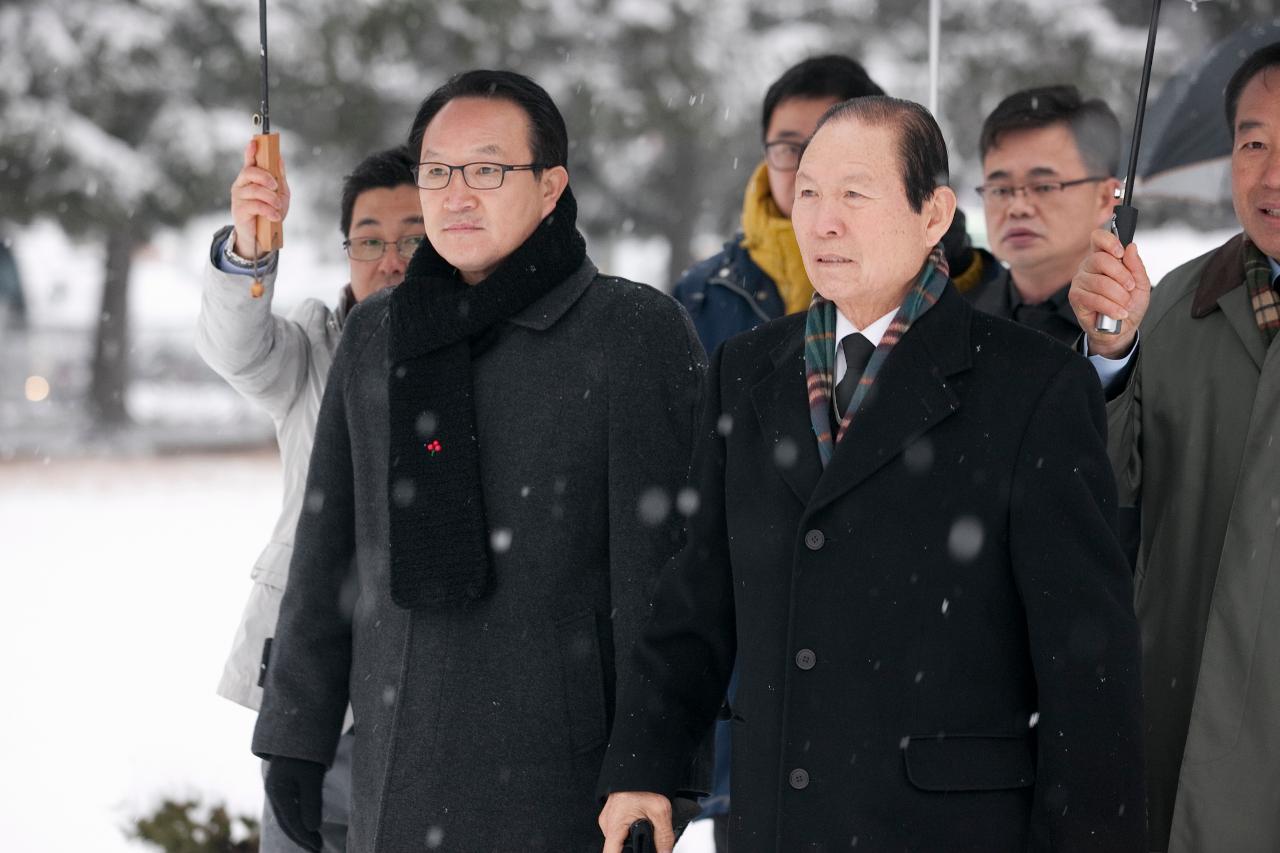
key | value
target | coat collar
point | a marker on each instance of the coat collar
(1222, 288)
(1222, 273)
(544, 313)
(912, 396)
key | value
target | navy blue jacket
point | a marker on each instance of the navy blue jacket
(727, 294)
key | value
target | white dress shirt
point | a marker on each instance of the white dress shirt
(844, 328)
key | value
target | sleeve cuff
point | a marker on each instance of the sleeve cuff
(228, 262)
(1111, 371)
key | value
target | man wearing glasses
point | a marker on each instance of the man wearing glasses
(281, 363)
(759, 275)
(495, 483)
(1048, 160)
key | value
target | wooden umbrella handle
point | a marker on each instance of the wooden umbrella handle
(267, 156)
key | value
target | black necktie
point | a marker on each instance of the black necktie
(857, 352)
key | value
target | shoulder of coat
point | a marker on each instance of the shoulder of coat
(1177, 288)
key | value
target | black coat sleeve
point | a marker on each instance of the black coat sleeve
(679, 669)
(305, 695)
(1077, 590)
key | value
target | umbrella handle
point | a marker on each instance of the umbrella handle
(1124, 222)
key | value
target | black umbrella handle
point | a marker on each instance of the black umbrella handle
(1124, 221)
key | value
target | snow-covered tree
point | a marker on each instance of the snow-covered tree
(112, 123)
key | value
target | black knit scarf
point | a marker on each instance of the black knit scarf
(439, 538)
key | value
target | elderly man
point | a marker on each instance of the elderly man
(904, 534)
(1192, 416)
(489, 500)
(1049, 158)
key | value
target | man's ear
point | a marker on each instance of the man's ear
(1106, 201)
(940, 208)
(553, 183)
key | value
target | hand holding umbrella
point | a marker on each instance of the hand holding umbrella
(269, 232)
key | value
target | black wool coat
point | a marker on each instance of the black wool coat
(935, 635)
(481, 728)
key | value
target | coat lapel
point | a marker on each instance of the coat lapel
(782, 404)
(1239, 312)
(1222, 286)
(911, 396)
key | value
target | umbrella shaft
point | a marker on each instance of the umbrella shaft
(262, 56)
(1142, 102)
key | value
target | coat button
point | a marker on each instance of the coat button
(806, 659)
(799, 779)
(814, 540)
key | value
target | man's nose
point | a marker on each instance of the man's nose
(458, 195)
(1271, 170)
(392, 263)
(827, 222)
(1021, 204)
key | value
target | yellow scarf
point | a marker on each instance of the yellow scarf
(771, 243)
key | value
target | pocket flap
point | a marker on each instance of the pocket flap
(970, 762)
(272, 565)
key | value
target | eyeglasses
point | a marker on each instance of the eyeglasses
(479, 176)
(783, 156)
(371, 248)
(1040, 190)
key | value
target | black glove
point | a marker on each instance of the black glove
(294, 788)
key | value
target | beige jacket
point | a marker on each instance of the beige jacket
(281, 364)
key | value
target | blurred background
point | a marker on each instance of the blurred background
(136, 488)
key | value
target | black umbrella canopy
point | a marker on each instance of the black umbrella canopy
(1187, 145)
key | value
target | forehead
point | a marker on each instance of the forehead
(1051, 148)
(386, 206)
(476, 126)
(798, 116)
(1260, 98)
(852, 143)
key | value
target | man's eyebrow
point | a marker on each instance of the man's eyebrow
(368, 220)
(1248, 124)
(790, 134)
(1035, 172)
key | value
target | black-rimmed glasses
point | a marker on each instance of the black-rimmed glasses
(783, 156)
(1042, 190)
(371, 248)
(479, 176)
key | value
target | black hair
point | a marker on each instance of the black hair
(385, 169)
(548, 138)
(829, 76)
(921, 148)
(1093, 125)
(1262, 59)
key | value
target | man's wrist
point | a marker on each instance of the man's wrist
(239, 260)
(1110, 347)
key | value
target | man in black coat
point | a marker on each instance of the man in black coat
(905, 535)
(492, 491)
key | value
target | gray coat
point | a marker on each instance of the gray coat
(1192, 439)
(483, 728)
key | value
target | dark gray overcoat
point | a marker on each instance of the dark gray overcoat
(483, 728)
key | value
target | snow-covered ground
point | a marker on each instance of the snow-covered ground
(123, 583)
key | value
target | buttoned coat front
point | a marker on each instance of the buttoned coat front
(935, 638)
(481, 728)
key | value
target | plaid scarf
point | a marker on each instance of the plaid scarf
(1266, 302)
(820, 350)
